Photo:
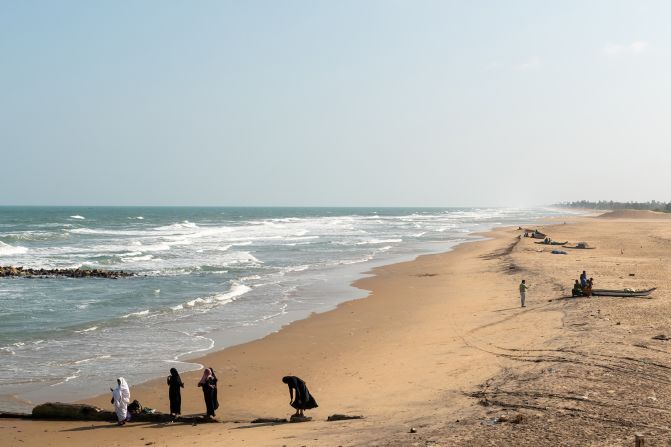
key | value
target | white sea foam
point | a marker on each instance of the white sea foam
(68, 378)
(8, 250)
(296, 268)
(179, 226)
(77, 216)
(236, 290)
(355, 261)
(379, 241)
(240, 257)
(91, 359)
(90, 329)
(7, 350)
(142, 313)
(137, 258)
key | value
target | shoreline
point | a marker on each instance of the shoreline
(345, 286)
(330, 348)
(441, 345)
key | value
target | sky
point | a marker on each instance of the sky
(334, 103)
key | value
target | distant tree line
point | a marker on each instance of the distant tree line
(652, 205)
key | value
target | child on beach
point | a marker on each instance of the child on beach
(523, 292)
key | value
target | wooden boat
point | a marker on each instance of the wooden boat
(581, 246)
(622, 293)
(552, 243)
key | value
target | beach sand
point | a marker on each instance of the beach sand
(441, 345)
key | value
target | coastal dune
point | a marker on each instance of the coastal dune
(440, 353)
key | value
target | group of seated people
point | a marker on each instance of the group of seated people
(582, 287)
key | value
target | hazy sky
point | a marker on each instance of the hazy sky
(425, 103)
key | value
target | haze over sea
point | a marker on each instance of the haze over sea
(207, 278)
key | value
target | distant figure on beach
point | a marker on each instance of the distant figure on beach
(208, 384)
(587, 290)
(303, 399)
(523, 292)
(174, 392)
(583, 279)
(577, 289)
(120, 399)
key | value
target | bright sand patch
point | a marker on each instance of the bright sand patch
(431, 333)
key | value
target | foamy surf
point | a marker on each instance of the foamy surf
(141, 313)
(9, 250)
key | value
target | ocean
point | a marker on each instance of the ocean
(207, 278)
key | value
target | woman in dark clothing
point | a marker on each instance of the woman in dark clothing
(214, 380)
(208, 383)
(174, 392)
(303, 400)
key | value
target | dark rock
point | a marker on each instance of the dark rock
(661, 337)
(269, 420)
(342, 417)
(413, 430)
(11, 415)
(296, 418)
(72, 273)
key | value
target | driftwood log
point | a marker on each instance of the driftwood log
(78, 412)
(84, 412)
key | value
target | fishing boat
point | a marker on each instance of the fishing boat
(622, 292)
(582, 246)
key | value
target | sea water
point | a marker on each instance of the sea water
(207, 278)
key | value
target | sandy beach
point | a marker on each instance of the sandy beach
(442, 346)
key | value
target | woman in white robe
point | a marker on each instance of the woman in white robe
(121, 399)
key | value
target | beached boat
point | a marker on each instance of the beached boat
(582, 246)
(622, 293)
(552, 243)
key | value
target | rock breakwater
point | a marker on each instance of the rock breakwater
(70, 273)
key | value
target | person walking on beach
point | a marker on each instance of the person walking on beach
(174, 392)
(523, 292)
(120, 399)
(303, 399)
(208, 384)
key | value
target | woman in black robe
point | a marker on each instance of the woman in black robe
(303, 399)
(174, 392)
(209, 385)
(214, 380)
